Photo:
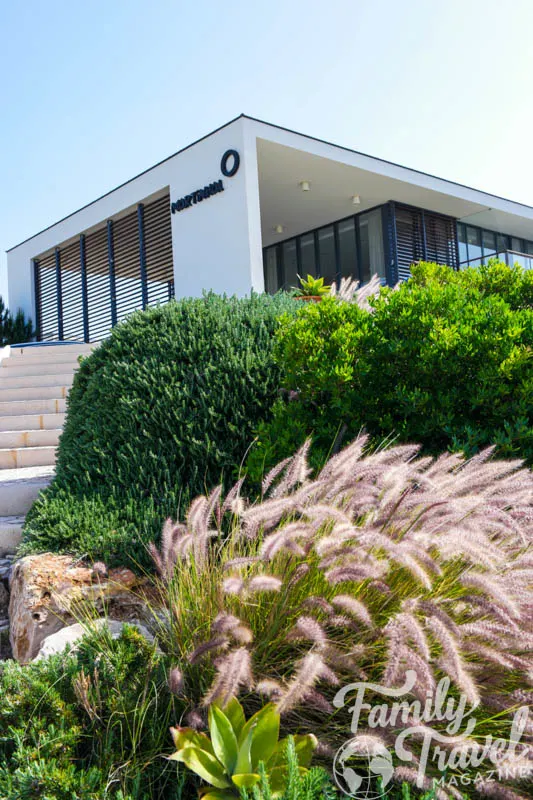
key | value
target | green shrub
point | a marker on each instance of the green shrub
(445, 360)
(164, 408)
(88, 725)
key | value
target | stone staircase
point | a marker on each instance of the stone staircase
(34, 383)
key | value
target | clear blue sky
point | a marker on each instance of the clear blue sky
(93, 92)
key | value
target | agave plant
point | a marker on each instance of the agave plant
(384, 562)
(229, 760)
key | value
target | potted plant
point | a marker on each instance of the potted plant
(311, 289)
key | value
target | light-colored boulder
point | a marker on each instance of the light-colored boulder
(70, 636)
(49, 592)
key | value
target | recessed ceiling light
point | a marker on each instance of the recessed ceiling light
(305, 186)
(279, 228)
(356, 200)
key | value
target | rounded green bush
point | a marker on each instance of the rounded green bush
(161, 411)
(445, 360)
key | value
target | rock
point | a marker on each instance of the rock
(57, 642)
(49, 592)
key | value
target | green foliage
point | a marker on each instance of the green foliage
(308, 784)
(445, 360)
(88, 725)
(14, 329)
(163, 408)
(311, 287)
(229, 760)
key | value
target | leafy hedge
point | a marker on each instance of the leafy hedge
(445, 360)
(164, 408)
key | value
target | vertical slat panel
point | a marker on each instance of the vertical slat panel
(158, 251)
(142, 255)
(37, 297)
(84, 299)
(71, 293)
(98, 290)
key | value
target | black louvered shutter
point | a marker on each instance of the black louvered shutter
(409, 239)
(424, 236)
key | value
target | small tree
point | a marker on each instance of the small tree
(14, 330)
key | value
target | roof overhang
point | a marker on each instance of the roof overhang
(336, 175)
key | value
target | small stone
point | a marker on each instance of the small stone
(59, 641)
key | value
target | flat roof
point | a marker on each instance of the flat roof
(277, 127)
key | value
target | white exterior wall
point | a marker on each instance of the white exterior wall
(216, 243)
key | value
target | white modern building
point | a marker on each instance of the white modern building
(249, 207)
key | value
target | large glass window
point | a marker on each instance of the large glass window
(371, 238)
(290, 264)
(473, 238)
(307, 255)
(347, 248)
(489, 244)
(271, 269)
(461, 238)
(326, 248)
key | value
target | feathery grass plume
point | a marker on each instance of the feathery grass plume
(350, 291)
(234, 672)
(385, 561)
(309, 670)
(307, 628)
(216, 643)
(176, 683)
(353, 607)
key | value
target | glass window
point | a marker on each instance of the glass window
(326, 247)
(461, 237)
(290, 264)
(516, 244)
(371, 238)
(347, 248)
(529, 247)
(307, 255)
(271, 270)
(489, 245)
(473, 238)
(503, 245)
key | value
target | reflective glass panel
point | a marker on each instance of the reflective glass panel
(473, 237)
(290, 265)
(371, 238)
(271, 270)
(307, 255)
(461, 237)
(347, 249)
(489, 245)
(326, 245)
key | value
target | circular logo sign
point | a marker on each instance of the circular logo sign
(363, 775)
(230, 163)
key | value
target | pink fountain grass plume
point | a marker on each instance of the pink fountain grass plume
(234, 672)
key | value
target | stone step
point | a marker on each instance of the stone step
(32, 422)
(13, 458)
(30, 438)
(10, 534)
(40, 356)
(44, 368)
(19, 488)
(15, 408)
(34, 393)
(50, 351)
(9, 381)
